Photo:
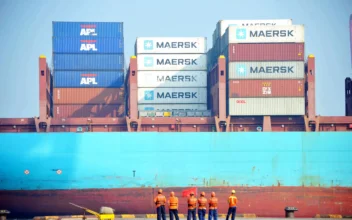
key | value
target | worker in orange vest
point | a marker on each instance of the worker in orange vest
(213, 207)
(173, 206)
(232, 206)
(160, 201)
(192, 205)
(202, 206)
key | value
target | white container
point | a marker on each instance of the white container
(181, 45)
(172, 62)
(266, 106)
(224, 24)
(167, 79)
(266, 70)
(163, 107)
(172, 95)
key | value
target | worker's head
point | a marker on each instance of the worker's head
(192, 193)
(172, 194)
(212, 194)
(202, 194)
(233, 191)
(160, 191)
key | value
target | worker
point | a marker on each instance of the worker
(202, 206)
(192, 205)
(213, 207)
(232, 205)
(160, 201)
(173, 206)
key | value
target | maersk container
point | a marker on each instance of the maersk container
(266, 70)
(179, 45)
(222, 25)
(84, 29)
(88, 79)
(172, 62)
(263, 34)
(266, 88)
(172, 96)
(154, 107)
(266, 106)
(265, 52)
(88, 95)
(169, 79)
(89, 110)
(88, 45)
(88, 62)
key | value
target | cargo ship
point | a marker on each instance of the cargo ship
(113, 144)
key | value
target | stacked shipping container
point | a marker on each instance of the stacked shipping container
(88, 63)
(172, 75)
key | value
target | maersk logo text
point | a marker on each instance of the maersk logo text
(241, 34)
(176, 95)
(148, 45)
(176, 45)
(176, 78)
(271, 33)
(272, 69)
(88, 30)
(148, 61)
(186, 62)
(241, 69)
(88, 45)
(149, 95)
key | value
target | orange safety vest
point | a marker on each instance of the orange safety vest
(173, 203)
(232, 201)
(202, 203)
(213, 203)
(160, 200)
(192, 203)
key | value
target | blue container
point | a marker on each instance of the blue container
(85, 29)
(88, 79)
(88, 62)
(88, 45)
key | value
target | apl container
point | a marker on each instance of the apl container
(172, 62)
(172, 96)
(154, 107)
(88, 45)
(88, 96)
(266, 70)
(167, 79)
(88, 79)
(266, 88)
(88, 111)
(180, 45)
(84, 29)
(267, 106)
(88, 62)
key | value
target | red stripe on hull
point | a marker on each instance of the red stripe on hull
(262, 201)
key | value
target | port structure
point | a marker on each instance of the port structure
(219, 122)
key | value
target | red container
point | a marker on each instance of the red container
(266, 88)
(88, 96)
(87, 111)
(266, 52)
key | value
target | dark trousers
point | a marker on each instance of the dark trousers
(161, 212)
(191, 212)
(173, 212)
(232, 210)
(201, 214)
(213, 213)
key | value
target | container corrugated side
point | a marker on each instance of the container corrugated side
(263, 34)
(169, 79)
(172, 96)
(88, 79)
(172, 62)
(87, 111)
(88, 61)
(266, 70)
(266, 52)
(266, 106)
(165, 45)
(266, 88)
(154, 107)
(88, 45)
(81, 29)
(88, 95)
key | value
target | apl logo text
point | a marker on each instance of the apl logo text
(88, 45)
(88, 79)
(88, 30)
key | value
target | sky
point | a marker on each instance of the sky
(26, 33)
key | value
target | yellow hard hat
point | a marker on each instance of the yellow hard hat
(233, 191)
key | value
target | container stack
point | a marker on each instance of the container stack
(265, 66)
(172, 77)
(88, 64)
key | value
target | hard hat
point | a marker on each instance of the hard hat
(212, 194)
(202, 194)
(172, 194)
(233, 191)
(192, 193)
(160, 191)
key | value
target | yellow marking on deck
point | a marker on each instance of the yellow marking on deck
(181, 215)
(127, 216)
(152, 215)
(335, 216)
(76, 216)
(51, 217)
(249, 215)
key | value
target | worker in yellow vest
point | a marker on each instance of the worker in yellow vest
(160, 201)
(232, 206)
(173, 206)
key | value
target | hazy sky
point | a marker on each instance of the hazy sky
(26, 32)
